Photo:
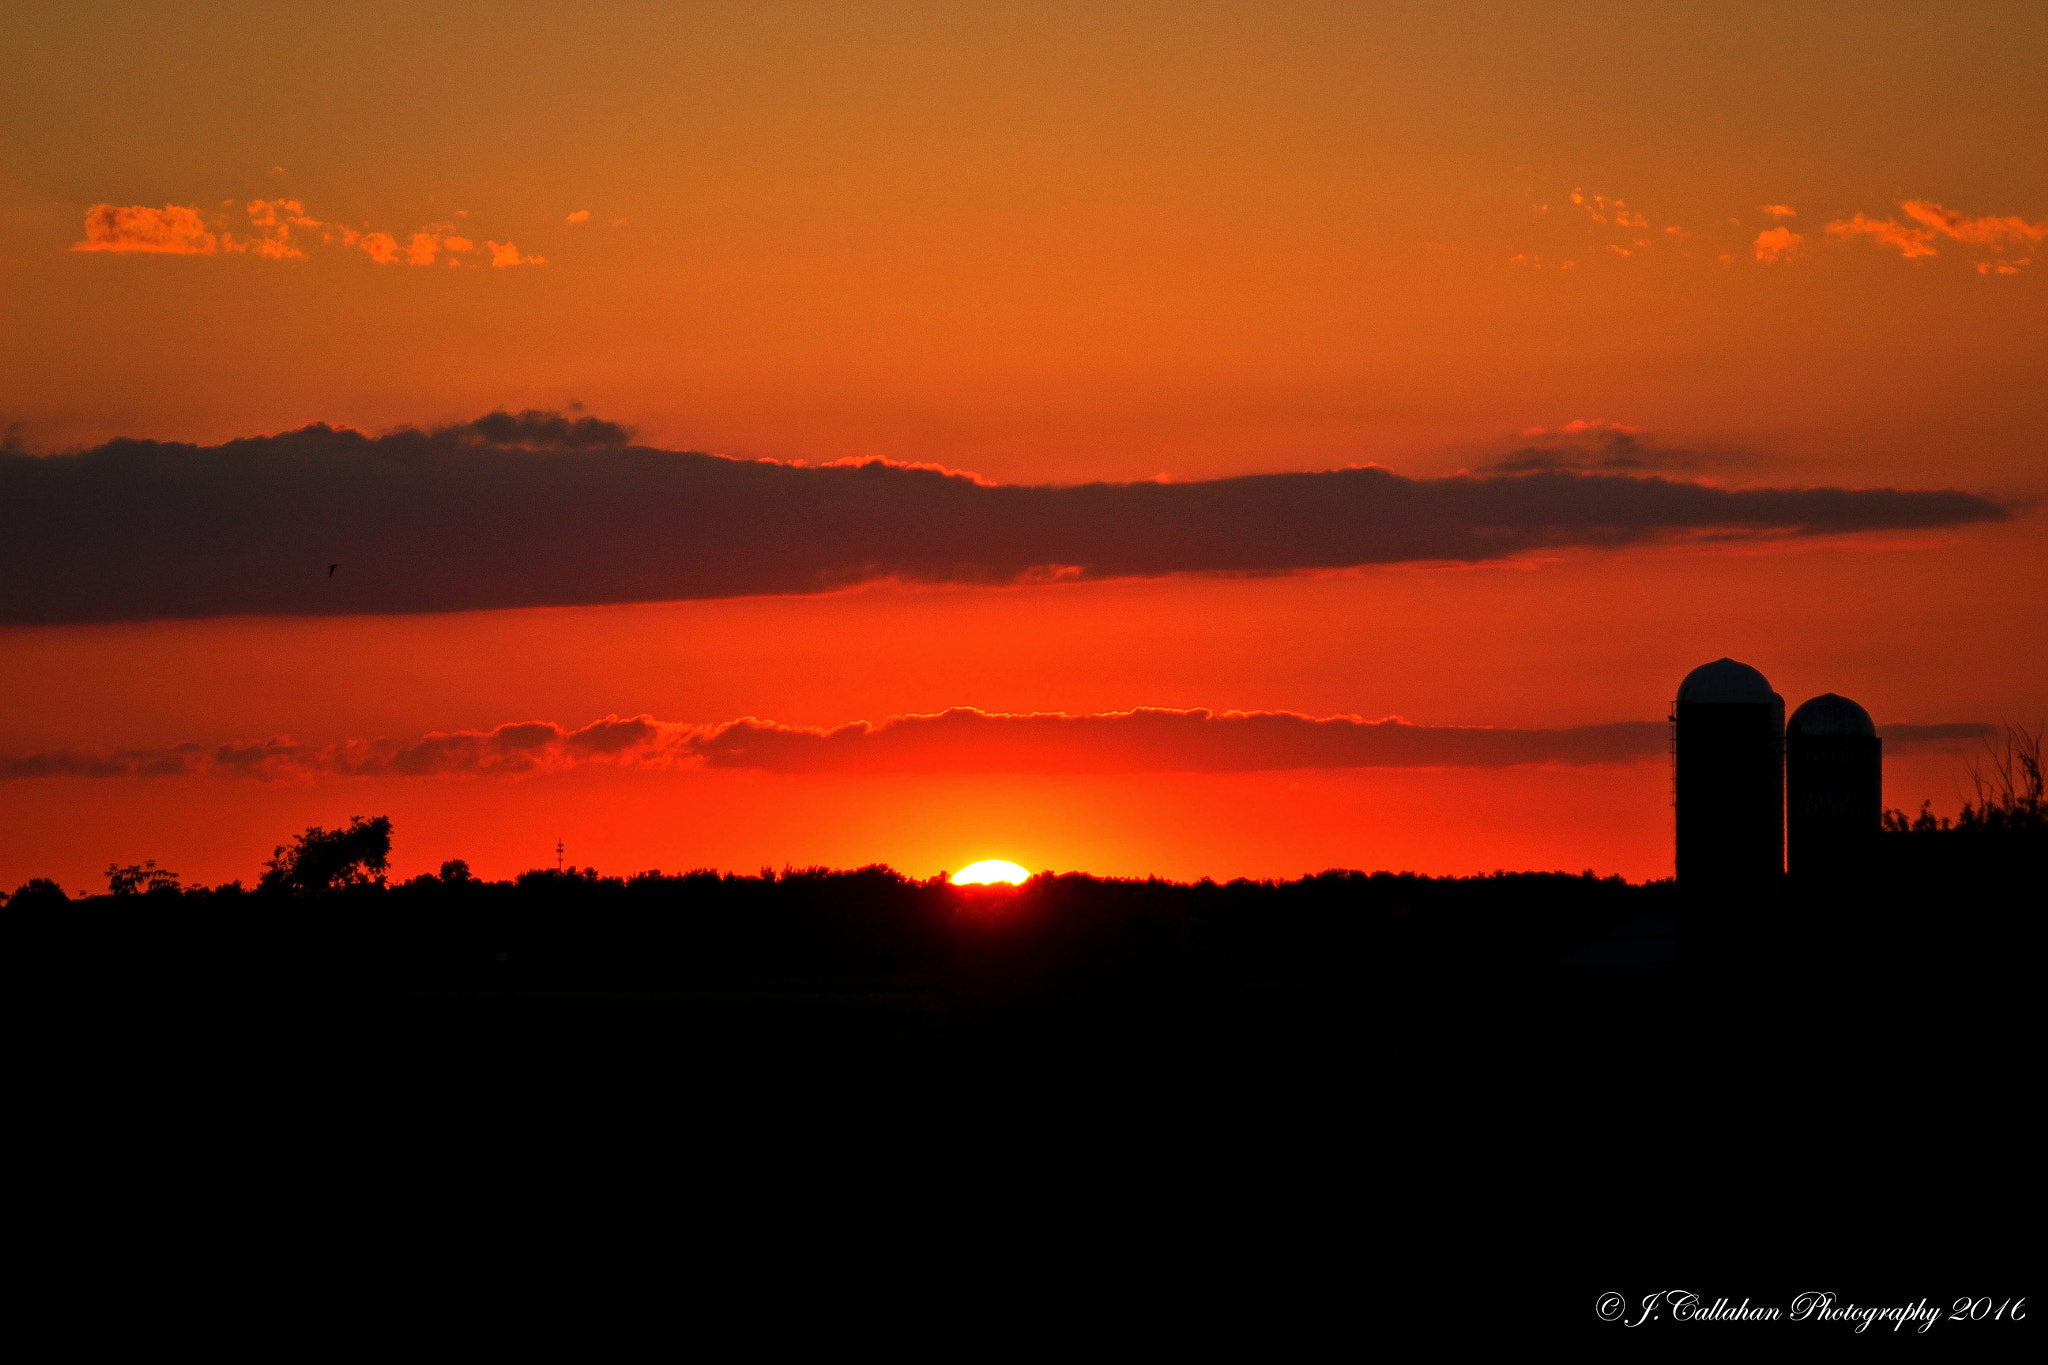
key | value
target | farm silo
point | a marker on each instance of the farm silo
(1728, 779)
(1834, 789)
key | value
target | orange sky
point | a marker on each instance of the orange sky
(1048, 244)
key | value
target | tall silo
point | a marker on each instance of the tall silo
(1728, 778)
(1834, 789)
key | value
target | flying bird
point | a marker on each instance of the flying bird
(331, 568)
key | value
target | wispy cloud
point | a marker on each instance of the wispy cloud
(1615, 212)
(1994, 232)
(962, 739)
(1948, 735)
(543, 509)
(1910, 242)
(2008, 239)
(277, 230)
(1594, 446)
(1159, 740)
(1996, 245)
(1621, 231)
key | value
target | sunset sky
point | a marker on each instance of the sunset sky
(1193, 439)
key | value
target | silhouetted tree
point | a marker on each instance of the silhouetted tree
(322, 860)
(141, 878)
(37, 893)
(2008, 782)
(456, 870)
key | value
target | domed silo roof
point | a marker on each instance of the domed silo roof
(1828, 714)
(1725, 680)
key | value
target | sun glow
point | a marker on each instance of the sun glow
(990, 870)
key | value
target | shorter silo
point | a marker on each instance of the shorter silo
(1834, 789)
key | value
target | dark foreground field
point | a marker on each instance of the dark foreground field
(1337, 1084)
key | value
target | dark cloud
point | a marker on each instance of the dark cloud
(538, 509)
(1601, 448)
(537, 430)
(1148, 740)
(960, 740)
(1898, 737)
(509, 750)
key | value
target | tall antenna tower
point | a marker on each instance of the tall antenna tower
(558, 855)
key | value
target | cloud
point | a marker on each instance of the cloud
(170, 230)
(542, 509)
(2002, 236)
(1775, 244)
(580, 216)
(271, 222)
(423, 249)
(962, 739)
(509, 750)
(538, 430)
(2001, 245)
(1601, 209)
(505, 254)
(1911, 242)
(1615, 213)
(276, 229)
(1974, 231)
(1898, 737)
(1156, 740)
(1595, 446)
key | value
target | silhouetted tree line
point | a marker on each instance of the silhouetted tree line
(324, 913)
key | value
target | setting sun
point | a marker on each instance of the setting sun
(990, 870)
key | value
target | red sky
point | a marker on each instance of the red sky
(1051, 245)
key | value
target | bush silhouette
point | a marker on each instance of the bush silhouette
(2008, 782)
